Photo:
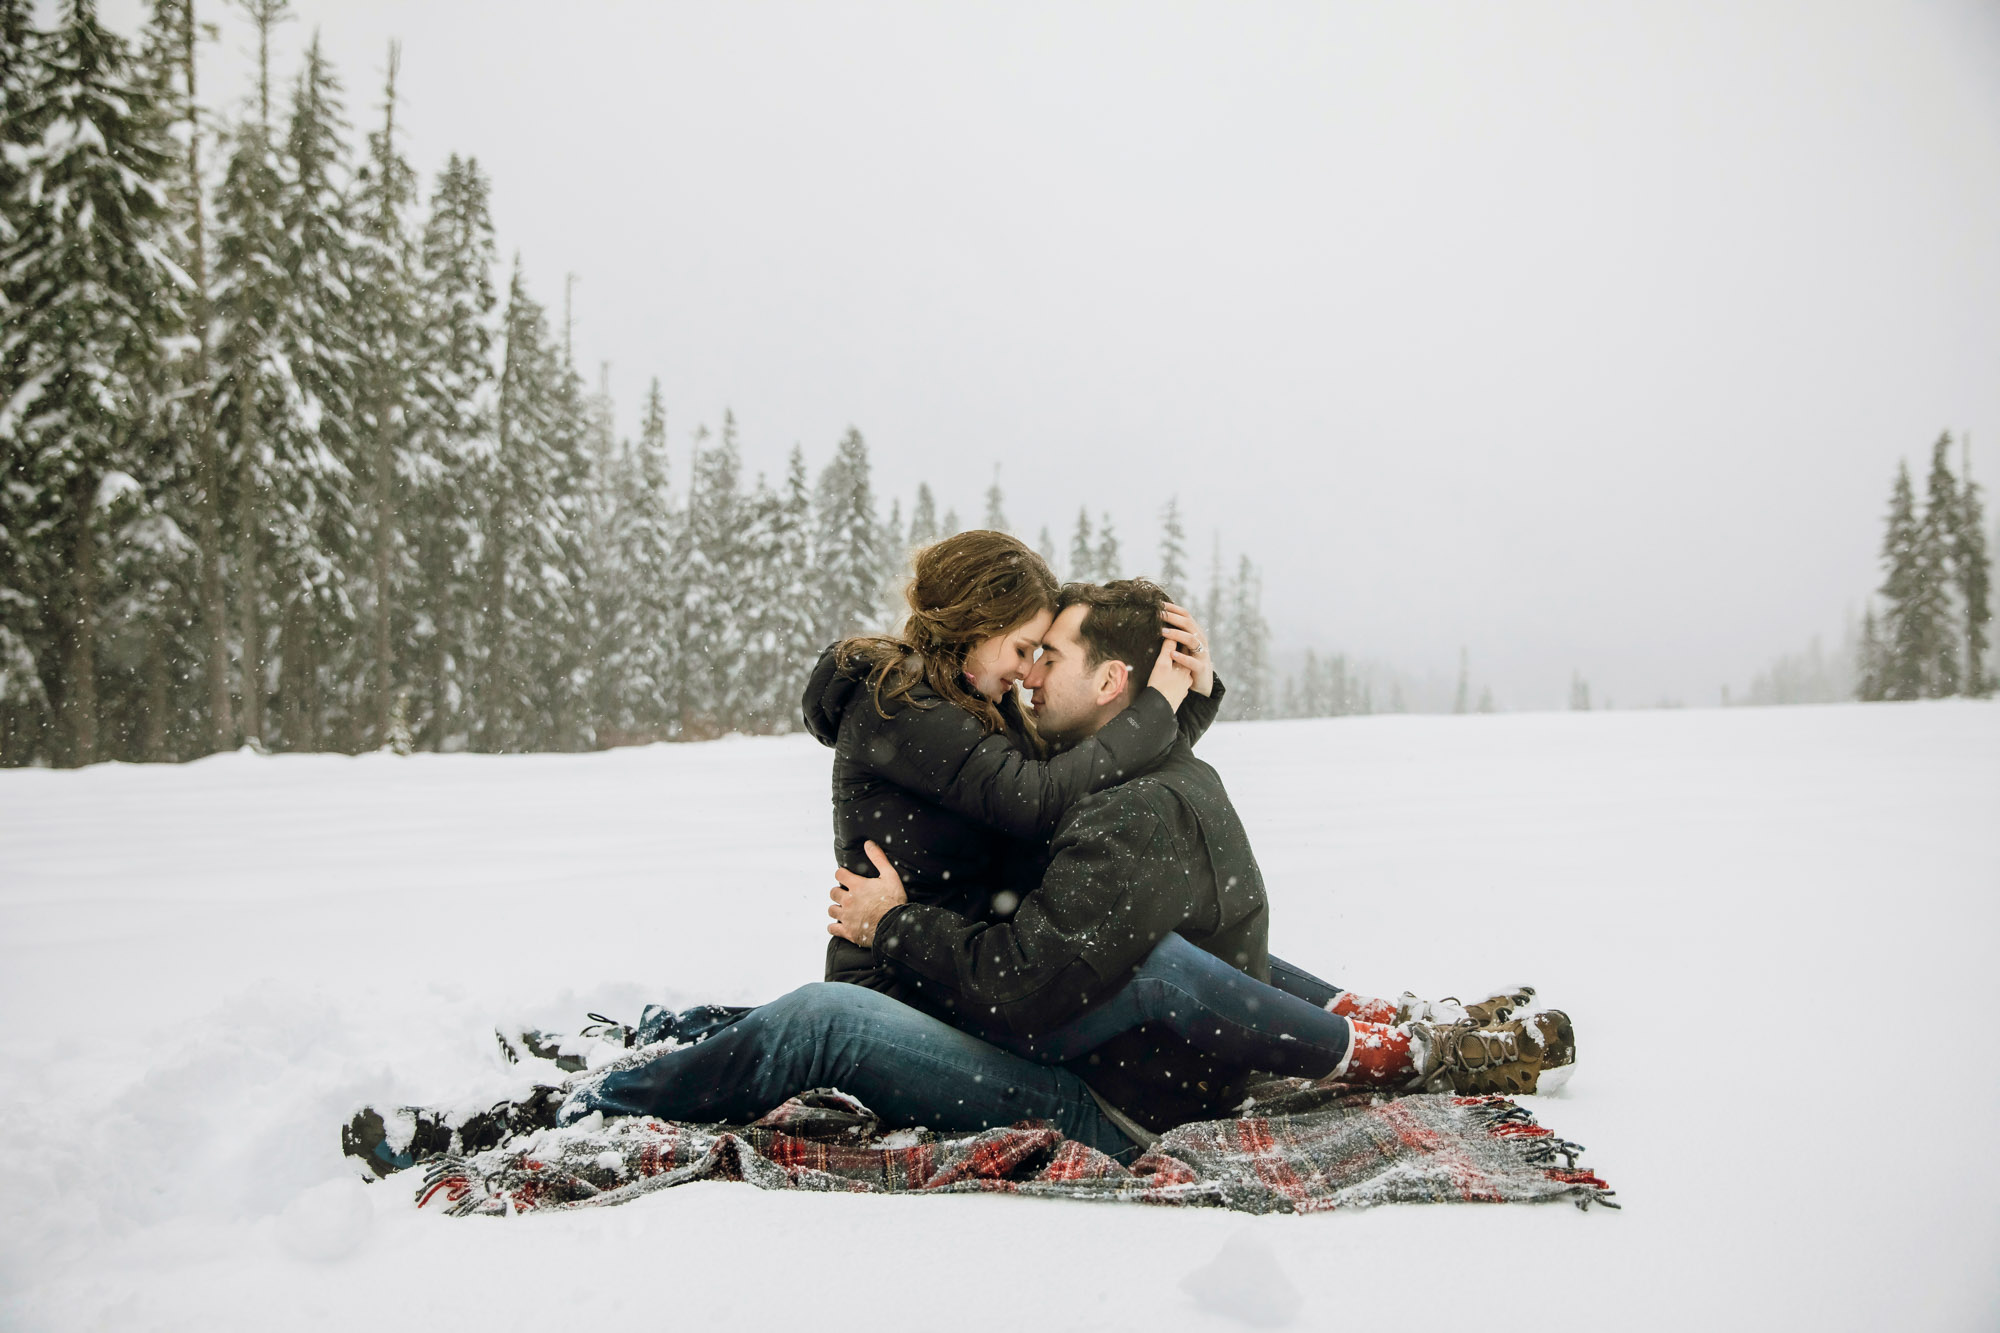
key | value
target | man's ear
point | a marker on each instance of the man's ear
(1111, 681)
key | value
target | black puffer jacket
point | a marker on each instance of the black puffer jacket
(961, 814)
(1164, 852)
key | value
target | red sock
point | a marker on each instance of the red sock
(1350, 1004)
(1378, 1054)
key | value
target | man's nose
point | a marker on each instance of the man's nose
(1036, 673)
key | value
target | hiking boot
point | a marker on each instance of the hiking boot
(1475, 1058)
(397, 1142)
(385, 1144)
(542, 1046)
(1496, 1008)
(1557, 1037)
(504, 1120)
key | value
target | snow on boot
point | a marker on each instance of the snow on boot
(1476, 1059)
(1495, 1008)
(1500, 1007)
(1379, 1055)
(503, 1120)
(395, 1142)
(1552, 1030)
(1364, 1008)
(542, 1046)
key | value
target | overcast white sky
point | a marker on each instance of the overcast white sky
(1587, 336)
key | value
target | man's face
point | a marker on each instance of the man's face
(1071, 698)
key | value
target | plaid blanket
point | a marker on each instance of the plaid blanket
(1297, 1147)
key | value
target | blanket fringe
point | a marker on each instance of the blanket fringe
(1517, 1127)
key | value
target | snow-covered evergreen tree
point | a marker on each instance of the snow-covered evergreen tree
(1248, 638)
(92, 300)
(996, 507)
(713, 630)
(1082, 551)
(388, 328)
(923, 517)
(315, 437)
(1110, 564)
(848, 543)
(636, 595)
(1972, 574)
(1173, 555)
(1912, 620)
(530, 558)
(1937, 533)
(252, 391)
(452, 404)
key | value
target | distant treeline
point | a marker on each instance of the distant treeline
(282, 463)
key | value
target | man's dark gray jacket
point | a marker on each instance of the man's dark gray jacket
(1163, 852)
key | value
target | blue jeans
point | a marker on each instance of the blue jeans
(908, 1067)
(1214, 1008)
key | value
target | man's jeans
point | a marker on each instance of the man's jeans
(1281, 1028)
(908, 1067)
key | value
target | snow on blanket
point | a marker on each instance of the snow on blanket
(1308, 1147)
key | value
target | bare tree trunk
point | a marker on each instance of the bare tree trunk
(249, 594)
(214, 608)
(153, 724)
(77, 629)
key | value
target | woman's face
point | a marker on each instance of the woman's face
(997, 665)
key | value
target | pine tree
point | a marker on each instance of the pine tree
(251, 389)
(923, 518)
(1173, 555)
(848, 543)
(1249, 639)
(1311, 700)
(794, 622)
(713, 579)
(996, 513)
(316, 447)
(949, 525)
(1972, 572)
(92, 299)
(1579, 693)
(1213, 611)
(1937, 547)
(1910, 623)
(1082, 551)
(1045, 546)
(389, 327)
(171, 35)
(1463, 699)
(1109, 564)
(24, 705)
(531, 566)
(1871, 661)
(452, 425)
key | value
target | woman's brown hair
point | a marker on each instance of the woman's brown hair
(965, 589)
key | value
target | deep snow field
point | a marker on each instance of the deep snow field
(1775, 929)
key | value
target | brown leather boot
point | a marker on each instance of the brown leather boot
(1496, 1008)
(1474, 1058)
(1552, 1028)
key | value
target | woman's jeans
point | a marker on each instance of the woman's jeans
(1282, 1028)
(909, 1068)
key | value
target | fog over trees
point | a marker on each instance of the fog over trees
(292, 456)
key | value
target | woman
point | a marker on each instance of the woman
(934, 758)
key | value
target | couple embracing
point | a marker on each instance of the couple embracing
(1048, 912)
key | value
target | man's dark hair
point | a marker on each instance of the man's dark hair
(1123, 623)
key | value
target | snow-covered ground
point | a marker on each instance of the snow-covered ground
(1774, 928)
